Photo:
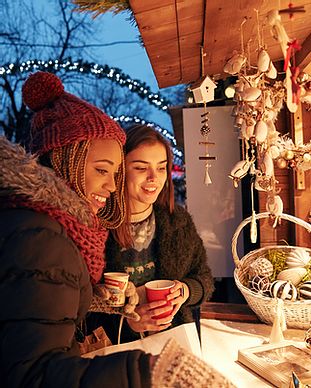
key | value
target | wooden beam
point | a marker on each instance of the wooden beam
(303, 56)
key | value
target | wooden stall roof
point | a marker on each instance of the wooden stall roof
(173, 32)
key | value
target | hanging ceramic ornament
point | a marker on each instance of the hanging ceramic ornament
(263, 61)
(235, 64)
(239, 171)
(250, 94)
(261, 131)
(267, 165)
(274, 206)
(278, 30)
(272, 72)
(279, 323)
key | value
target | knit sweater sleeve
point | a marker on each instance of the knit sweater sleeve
(182, 254)
(199, 279)
(44, 286)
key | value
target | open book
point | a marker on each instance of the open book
(276, 362)
(186, 335)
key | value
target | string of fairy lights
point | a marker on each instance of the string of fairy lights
(99, 71)
(102, 71)
(177, 154)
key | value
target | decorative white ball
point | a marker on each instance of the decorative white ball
(283, 289)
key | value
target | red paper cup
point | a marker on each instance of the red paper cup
(158, 290)
(116, 283)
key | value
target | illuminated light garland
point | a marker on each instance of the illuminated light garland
(99, 71)
(103, 71)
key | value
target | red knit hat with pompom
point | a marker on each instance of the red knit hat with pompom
(60, 118)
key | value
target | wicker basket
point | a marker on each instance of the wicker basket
(298, 313)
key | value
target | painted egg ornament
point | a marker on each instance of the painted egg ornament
(304, 291)
(298, 257)
(283, 289)
(239, 171)
(251, 94)
(267, 165)
(260, 267)
(235, 64)
(294, 275)
(263, 61)
(272, 72)
(260, 284)
(261, 131)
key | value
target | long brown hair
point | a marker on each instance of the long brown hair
(135, 137)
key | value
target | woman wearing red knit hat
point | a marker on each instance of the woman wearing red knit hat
(55, 207)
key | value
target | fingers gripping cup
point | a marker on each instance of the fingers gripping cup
(116, 283)
(158, 290)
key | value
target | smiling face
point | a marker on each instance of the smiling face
(102, 163)
(146, 174)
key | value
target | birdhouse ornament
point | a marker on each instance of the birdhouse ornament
(203, 90)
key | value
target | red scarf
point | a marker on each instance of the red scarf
(89, 240)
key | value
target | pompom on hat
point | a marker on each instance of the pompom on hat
(60, 118)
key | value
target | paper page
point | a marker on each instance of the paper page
(186, 335)
(220, 345)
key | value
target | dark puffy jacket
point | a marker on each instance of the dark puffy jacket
(45, 292)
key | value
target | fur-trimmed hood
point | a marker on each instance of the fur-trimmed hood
(22, 176)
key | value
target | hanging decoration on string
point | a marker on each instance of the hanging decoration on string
(259, 96)
(205, 130)
(203, 92)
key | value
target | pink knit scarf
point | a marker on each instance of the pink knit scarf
(90, 241)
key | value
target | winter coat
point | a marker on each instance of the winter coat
(45, 289)
(180, 255)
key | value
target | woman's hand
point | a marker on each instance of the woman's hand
(148, 320)
(178, 296)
